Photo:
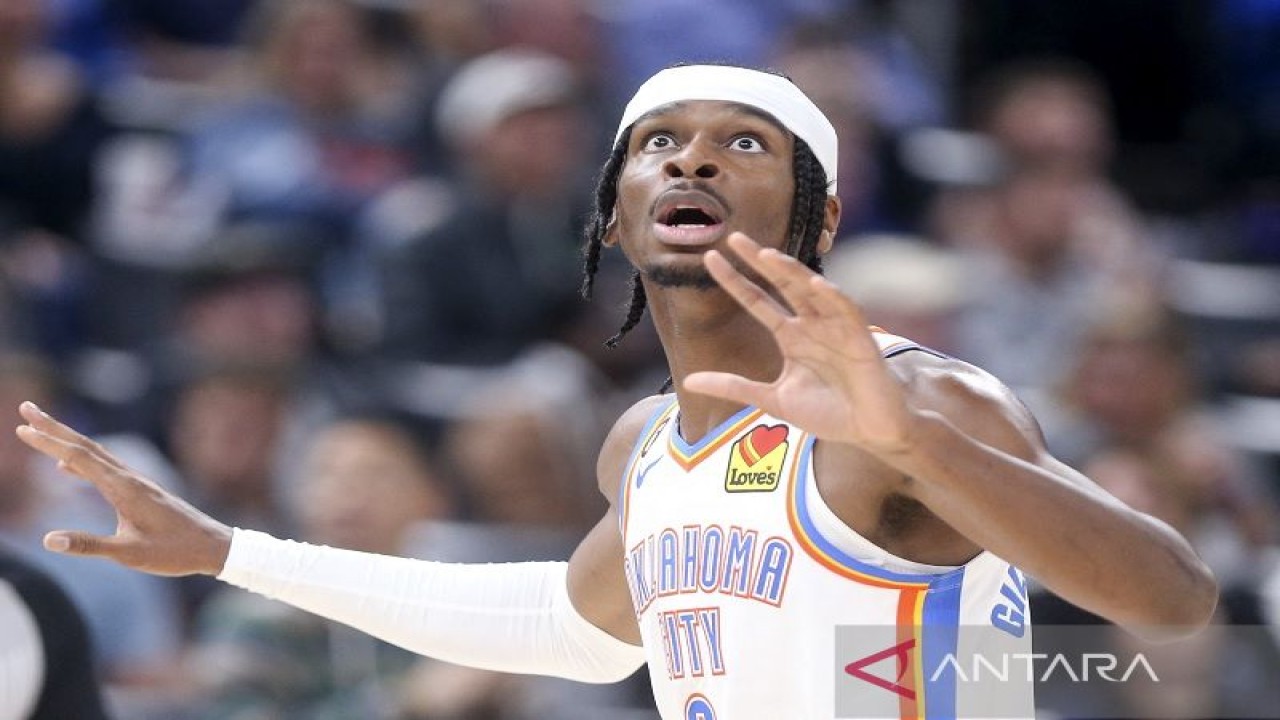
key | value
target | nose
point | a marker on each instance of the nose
(691, 162)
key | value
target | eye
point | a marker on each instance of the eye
(658, 141)
(747, 143)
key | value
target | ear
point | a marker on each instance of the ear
(830, 221)
(826, 240)
(611, 230)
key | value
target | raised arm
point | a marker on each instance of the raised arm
(515, 617)
(977, 460)
(973, 454)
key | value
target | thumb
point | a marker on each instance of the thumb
(77, 543)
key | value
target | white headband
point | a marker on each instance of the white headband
(773, 94)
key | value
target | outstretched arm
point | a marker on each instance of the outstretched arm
(973, 454)
(514, 618)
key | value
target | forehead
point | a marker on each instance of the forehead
(708, 110)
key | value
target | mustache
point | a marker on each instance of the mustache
(689, 186)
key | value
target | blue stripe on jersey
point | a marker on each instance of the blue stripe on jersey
(940, 636)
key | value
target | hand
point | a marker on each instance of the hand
(834, 382)
(156, 531)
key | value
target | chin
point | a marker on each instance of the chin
(667, 276)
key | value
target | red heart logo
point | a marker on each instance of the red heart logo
(761, 441)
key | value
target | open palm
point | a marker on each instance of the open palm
(834, 382)
(156, 531)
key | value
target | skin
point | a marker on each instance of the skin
(936, 436)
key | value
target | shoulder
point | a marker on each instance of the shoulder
(622, 439)
(972, 399)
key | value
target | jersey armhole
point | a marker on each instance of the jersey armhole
(652, 427)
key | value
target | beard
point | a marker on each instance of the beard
(694, 277)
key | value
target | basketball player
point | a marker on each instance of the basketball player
(807, 473)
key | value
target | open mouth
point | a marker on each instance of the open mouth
(688, 216)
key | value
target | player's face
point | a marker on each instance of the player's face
(695, 172)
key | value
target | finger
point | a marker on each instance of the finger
(49, 425)
(729, 387)
(835, 298)
(75, 459)
(749, 295)
(70, 542)
(837, 304)
(785, 273)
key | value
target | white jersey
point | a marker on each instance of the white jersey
(755, 602)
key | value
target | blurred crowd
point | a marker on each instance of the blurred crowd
(314, 264)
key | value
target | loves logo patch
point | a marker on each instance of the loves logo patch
(755, 460)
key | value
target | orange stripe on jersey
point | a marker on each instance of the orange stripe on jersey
(688, 461)
(910, 615)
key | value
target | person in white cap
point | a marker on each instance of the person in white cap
(808, 473)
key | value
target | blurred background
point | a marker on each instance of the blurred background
(314, 265)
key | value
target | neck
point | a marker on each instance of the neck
(707, 330)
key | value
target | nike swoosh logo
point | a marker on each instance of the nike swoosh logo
(645, 471)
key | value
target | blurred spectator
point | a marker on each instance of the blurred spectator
(304, 143)
(1051, 118)
(227, 420)
(1050, 114)
(1031, 292)
(50, 128)
(368, 482)
(497, 273)
(838, 75)
(112, 40)
(1151, 55)
(245, 306)
(904, 285)
(132, 618)
(648, 35)
(567, 29)
(446, 34)
(248, 297)
(524, 447)
(1140, 419)
(46, 667)
(51, 131)
(1045, 226)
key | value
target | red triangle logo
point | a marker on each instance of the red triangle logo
(902, 651)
